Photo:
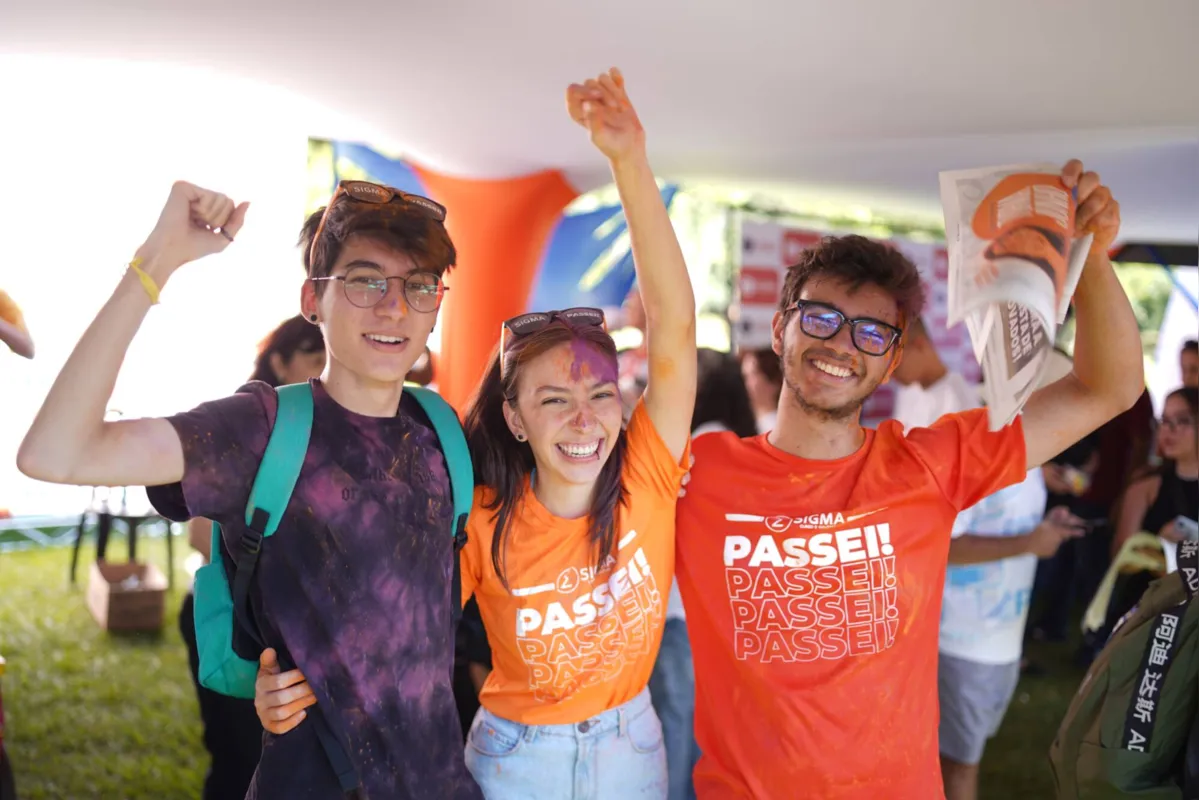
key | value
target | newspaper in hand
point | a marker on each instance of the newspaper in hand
(1013, 267)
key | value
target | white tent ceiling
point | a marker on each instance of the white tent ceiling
(860, 100)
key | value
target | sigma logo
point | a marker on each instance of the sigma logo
(780, 524)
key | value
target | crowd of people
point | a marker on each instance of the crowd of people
(686, 573)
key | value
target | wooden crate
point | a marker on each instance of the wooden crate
(121, 606)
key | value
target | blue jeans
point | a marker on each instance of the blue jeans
(615, 755)
(672, 686)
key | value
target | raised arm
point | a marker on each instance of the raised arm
(1108, 374)
(69, 441)
(603, 108)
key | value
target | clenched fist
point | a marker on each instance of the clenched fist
(194, 223)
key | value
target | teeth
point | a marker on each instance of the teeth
(580, 450)
(384, 339)
(839, 372)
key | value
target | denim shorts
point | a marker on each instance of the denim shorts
(615, 755)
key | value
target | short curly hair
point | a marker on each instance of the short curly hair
(858, 261)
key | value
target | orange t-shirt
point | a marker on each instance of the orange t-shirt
(813, 595)
(571, 640)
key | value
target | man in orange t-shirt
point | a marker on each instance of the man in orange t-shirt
(812, 559)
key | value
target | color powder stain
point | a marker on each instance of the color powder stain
(589, 362)
(662, 367)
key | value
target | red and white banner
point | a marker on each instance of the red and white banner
(767, 248)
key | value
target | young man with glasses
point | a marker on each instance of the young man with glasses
(356, 589)
(812, 559)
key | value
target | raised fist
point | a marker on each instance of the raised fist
(602, 107)
(194, 223)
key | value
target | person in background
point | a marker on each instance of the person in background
(992, 564)
(1188, 361)
(993, 556)
(763, 379)
(1155, 502)
(927, 388)
(292, 353)
(721, 404)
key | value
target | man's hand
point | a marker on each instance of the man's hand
(1058, 526)
(602, 107)
(280, 697)
(1097, 211)
(194, 223)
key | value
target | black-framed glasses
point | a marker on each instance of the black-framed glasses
(871, 336)
(366, 287)
(367, 192)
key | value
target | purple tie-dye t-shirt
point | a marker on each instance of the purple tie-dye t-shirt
(353, 588)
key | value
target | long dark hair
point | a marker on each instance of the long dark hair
(720, 394)
(502, 464)
(296, 335)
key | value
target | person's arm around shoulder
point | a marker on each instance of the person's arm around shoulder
(602, 106)
(1108, 373)
(69, 441)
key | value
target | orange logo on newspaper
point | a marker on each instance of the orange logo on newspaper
(1029, 217)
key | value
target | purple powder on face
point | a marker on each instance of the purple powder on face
(589, 361)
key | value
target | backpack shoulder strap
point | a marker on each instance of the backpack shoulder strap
(283, 459)
(457, 454)
(273, 485)
(1188, 566)
(462, 479)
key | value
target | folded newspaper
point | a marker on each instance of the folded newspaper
(1013, 265)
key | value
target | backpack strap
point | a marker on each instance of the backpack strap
(1160, 649)
(462, 475)
(273, 485)
(1188, 566)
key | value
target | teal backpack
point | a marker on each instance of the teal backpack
(226, 634)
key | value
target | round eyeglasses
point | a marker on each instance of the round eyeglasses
(366, 287)
(871, 336)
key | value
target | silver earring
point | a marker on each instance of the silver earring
(520, 437)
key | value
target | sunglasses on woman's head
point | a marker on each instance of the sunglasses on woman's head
(527, 324)
(367, 192)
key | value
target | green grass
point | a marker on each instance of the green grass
(92, 715)
(89, 714)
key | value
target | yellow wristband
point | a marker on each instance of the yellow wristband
(147, 282)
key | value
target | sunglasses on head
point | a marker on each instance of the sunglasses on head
(531, 323)
(376, 194)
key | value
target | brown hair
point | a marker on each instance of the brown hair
(393, 225)
(296, 335)
(502, 464)
(857, 261)
(768, 363)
